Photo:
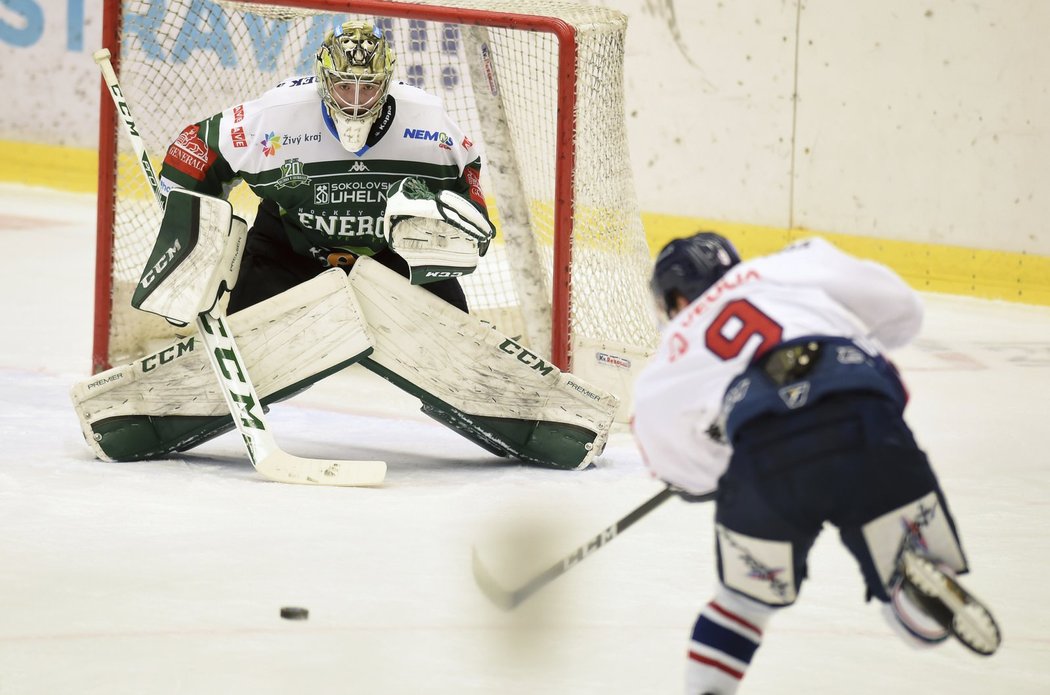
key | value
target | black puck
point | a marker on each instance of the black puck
(294, 613)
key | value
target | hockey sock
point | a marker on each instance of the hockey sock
(726, 634)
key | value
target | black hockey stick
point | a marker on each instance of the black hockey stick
(509, 599)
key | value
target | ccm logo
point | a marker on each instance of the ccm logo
(159, 266)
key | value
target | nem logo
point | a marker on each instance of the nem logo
(442, 139)
(271, 142)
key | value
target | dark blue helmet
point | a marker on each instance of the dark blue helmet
(690, 266)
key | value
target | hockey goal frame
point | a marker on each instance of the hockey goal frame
(565, 153)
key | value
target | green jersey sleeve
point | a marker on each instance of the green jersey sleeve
(194, 161)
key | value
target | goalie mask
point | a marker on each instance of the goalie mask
(354, 66)
(688, 267)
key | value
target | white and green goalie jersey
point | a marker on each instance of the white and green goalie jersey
(284, 146)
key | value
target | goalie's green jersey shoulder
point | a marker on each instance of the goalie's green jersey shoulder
(284, 146)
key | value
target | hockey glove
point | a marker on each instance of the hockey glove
(461, 213)
(438, 236)
(410, 197)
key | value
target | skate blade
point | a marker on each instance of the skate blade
(972, 624)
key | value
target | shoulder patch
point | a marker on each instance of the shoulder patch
(190, 153)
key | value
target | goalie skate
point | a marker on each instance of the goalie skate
(942, 598)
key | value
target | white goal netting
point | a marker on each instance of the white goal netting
(183, 60)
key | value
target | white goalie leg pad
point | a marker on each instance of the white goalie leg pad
(305, 331)
(196, 257)
(468, 364)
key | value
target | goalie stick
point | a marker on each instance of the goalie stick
(229, 367)
(509, 599)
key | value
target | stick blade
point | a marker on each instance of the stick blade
(500, 597)
(286, 468)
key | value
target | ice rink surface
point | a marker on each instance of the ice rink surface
(167, 576)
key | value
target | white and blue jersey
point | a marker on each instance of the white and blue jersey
(809, 289)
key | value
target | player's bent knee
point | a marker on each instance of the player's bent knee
(760, 569)
(925, 519)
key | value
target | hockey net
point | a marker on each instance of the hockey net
(536, 84)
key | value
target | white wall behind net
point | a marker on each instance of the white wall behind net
(915, 122)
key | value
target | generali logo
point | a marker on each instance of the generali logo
(190, 154)
(474, 185)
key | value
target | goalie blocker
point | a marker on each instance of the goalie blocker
(195, 259)
(467, 375)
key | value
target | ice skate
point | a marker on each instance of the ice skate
(941, 596)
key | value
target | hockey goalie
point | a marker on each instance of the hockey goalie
(353, 259)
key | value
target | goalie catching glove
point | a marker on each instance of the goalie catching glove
(439, 236)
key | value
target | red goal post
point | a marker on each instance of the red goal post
(544, 102)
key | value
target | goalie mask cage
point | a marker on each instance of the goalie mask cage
(536, 84)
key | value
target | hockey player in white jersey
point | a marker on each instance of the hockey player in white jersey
(343, 160)
(770, 386)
